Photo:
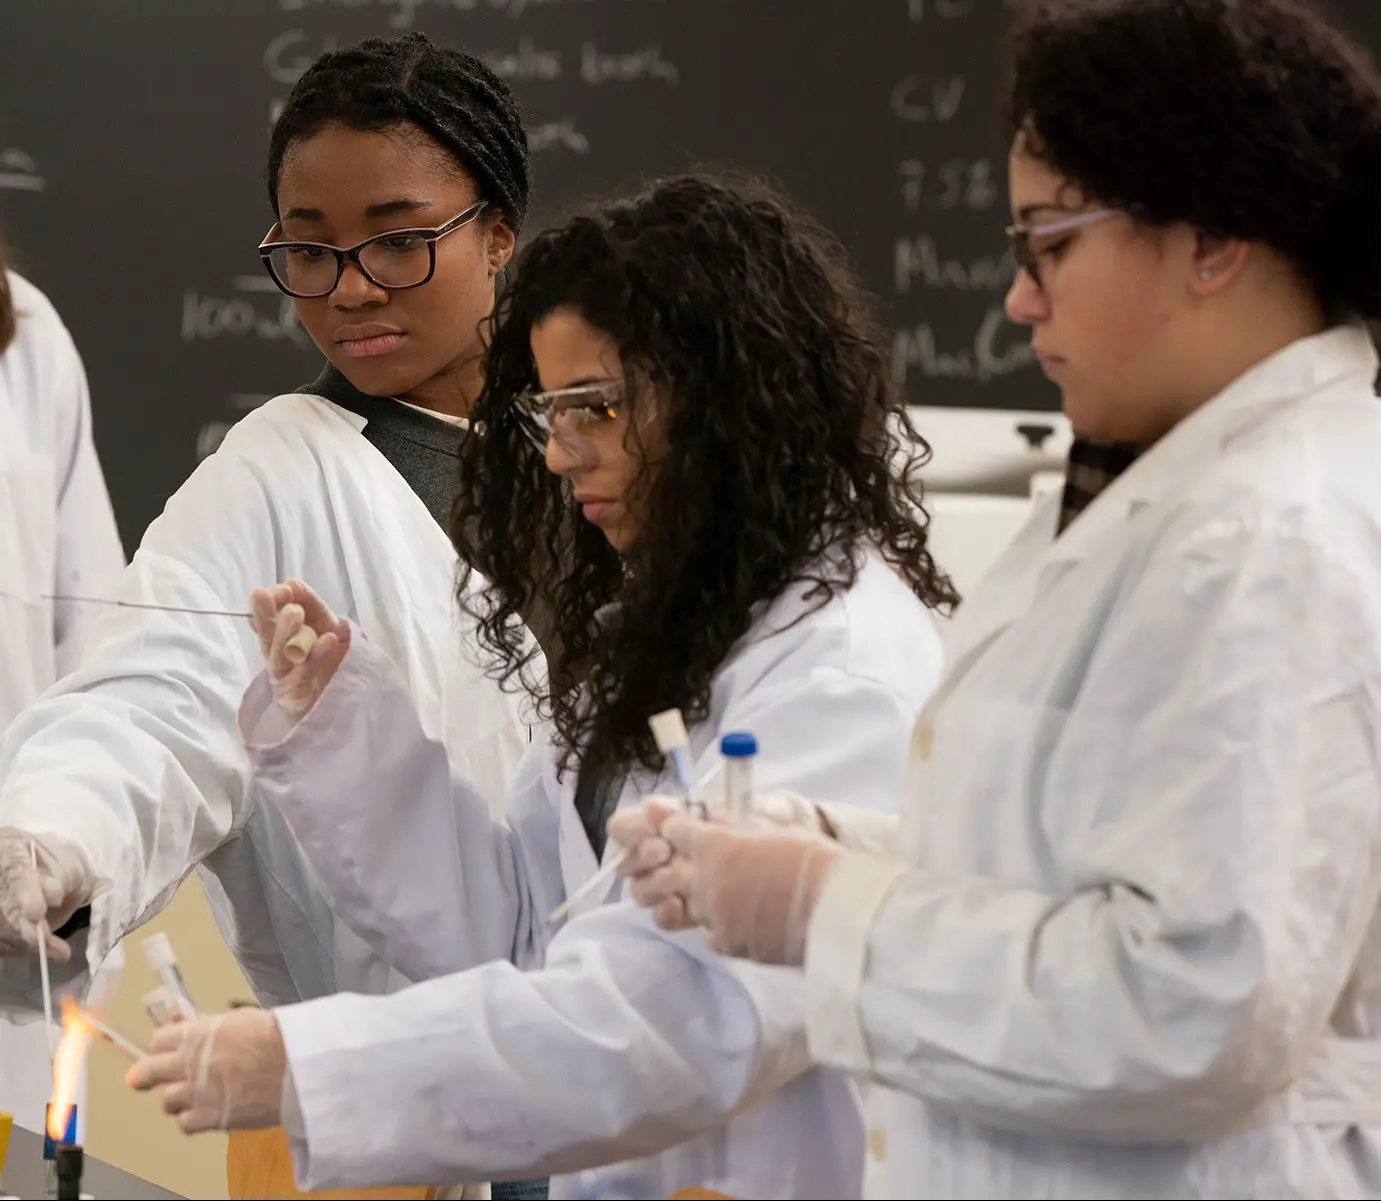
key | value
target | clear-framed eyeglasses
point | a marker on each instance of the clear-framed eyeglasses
(1020, 237)
(399, 259)
(572, 416)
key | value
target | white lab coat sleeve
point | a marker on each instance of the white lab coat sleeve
(406, 850)
(136, 756)
(628, 1041)
(89, 556)
(640, 1039)
(1226, 746)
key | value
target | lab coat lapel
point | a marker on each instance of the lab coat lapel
(1037, 560)
(578, 862)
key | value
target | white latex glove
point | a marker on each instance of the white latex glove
(217, 1073)
(752, 886)
(302, 641)
(44, 899)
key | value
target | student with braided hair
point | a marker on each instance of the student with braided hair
(398, 174)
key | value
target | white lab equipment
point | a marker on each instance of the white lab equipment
(681, 1066)
(1143, 836)
(738, 750)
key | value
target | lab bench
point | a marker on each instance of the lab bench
(24, 1175)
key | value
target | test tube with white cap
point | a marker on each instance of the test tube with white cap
(159, 952)
(738, 749)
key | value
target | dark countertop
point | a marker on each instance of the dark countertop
(24, 1175)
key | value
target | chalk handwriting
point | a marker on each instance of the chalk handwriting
(917, 265)
(557, 135)
(603, 66)
(289, 55)
(206, 318)
(997, 348)
(402, 14)
(953, 183)
(528, 63)
(922, 99)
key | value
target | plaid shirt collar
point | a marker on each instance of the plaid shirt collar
(1091, 467)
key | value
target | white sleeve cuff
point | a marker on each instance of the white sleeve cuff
(837, 957)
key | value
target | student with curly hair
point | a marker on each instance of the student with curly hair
(1128, 944)
(695, 372)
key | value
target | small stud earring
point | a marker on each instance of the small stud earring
(1205, 274)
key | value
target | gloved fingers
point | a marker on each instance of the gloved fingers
(200, 1120)
(787, 810)
(59, 951)
(157, 1067)
(263, 608)
(317, 613)
(687, 835)
(173, 1037)
(673, 914)
(286, 627)
(631, 827)
(178, 1098)
(667, 883)
(327, 654)
(645, 857)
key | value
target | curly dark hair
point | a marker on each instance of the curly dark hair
(788, 449)
(449, 95)
(1247, 119)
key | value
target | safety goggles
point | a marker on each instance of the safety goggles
(1020, 237)
(573, 417)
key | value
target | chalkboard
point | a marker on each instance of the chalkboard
(133, 132)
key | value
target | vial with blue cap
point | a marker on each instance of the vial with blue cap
(738, 751)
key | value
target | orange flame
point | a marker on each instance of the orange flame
(67, 1068)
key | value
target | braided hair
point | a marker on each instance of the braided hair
(449, 95)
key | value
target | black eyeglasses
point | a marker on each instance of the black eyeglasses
(399, 259)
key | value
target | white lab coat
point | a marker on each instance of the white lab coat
(603, 1040)
(57, 536)
(136, 755)
(1132, 947)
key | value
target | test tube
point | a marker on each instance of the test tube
(162, 1007)
(159, 952)
(738, 751)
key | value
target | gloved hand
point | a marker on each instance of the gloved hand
(639, 829)
(752, 886)
(302, 641)
(45, 898)
(218, 1073)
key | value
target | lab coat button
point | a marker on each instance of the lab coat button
(877, 1143)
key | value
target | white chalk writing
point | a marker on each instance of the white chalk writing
(998, 348)
(918, 264)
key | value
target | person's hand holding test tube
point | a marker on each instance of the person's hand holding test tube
(669, 729)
